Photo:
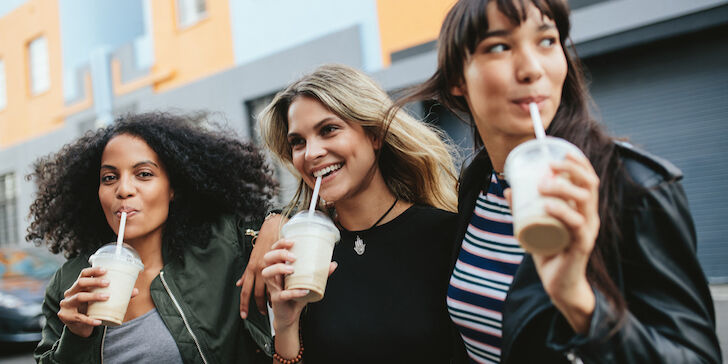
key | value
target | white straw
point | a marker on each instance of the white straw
(120, 238)
(314, 196)
(536, 118)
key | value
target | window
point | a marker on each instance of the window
(3, 92)
(8, 209)
(40, 75)
(255, 107)
(288, 183)
(190, 11)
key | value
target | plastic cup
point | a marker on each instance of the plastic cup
(121, 271)
(526, 166)
(314, 237)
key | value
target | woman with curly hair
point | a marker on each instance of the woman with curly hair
(390, 188)
(187, 191)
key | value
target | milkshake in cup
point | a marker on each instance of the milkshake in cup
(526, 167)
(313, 236)
(122, 268)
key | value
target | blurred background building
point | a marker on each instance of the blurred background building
(658, 71)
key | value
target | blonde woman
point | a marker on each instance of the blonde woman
(391, 190)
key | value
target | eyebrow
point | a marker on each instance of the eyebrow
(317, 126)
(504, 32)
(108, 166)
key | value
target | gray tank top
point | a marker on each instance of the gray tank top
(144, 339)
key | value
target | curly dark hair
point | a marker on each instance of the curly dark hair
(210, 171)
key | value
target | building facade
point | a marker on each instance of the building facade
(657, 69)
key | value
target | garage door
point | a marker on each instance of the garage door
(671, 98)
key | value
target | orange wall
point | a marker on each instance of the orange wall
(407, 23)
(193, 52)
(29, 115)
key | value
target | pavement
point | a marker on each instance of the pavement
(22, 354)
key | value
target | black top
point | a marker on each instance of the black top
(387, 305)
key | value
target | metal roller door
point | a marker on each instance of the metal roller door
(671, 98)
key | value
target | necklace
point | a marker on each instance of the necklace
(359, 244)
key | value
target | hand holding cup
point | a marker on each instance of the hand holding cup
(74, 305)
(287, 304)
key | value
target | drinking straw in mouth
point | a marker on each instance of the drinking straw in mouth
(314, 196)
(120, 237)
(536, 118)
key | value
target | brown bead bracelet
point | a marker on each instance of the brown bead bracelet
(295, 360)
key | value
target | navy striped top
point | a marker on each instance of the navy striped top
(488, 259)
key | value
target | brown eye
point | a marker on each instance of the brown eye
(547, 42)
(497, 48)
(294, 142)
(326, 129)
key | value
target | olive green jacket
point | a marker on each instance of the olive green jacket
(197, 300)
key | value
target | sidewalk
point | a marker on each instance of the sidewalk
(720, 299)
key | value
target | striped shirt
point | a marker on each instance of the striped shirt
(488, 259)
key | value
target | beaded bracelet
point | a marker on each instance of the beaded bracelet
(295, 360)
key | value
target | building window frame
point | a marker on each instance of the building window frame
(9, 234)
(190, 12)
(39, 69)
(3, 86)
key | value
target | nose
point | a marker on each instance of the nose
(125, 187)
(314, 149)
(529, 67)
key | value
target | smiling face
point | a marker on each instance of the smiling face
(512, 66)
(324, 144)
(132, 179)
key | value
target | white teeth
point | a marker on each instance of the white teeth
(326, 170)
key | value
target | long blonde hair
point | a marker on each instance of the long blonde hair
(416, 159)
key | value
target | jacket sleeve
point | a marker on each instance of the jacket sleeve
(670, 314)
(58, 344)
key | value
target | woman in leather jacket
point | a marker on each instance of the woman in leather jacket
(628, 288)
(187, 191)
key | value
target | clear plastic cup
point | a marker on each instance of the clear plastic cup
(526, 166)
(313, 239)
(121, 271)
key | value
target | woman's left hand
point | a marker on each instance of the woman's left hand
(576, 205)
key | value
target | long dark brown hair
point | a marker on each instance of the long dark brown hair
(464, 27)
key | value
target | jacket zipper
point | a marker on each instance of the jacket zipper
(103, 340)
(184, 318)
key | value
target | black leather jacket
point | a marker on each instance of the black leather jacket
(670, 316)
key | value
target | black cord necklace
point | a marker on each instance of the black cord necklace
(359, 244)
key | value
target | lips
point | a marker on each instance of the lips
(523, 102)
(529, 99)
(129, 211)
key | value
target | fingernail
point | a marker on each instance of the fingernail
(290, 256)
(105, 281)
(243, 315)
(103, 295)
(97, 322)
(102, 270)
(289, 268)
